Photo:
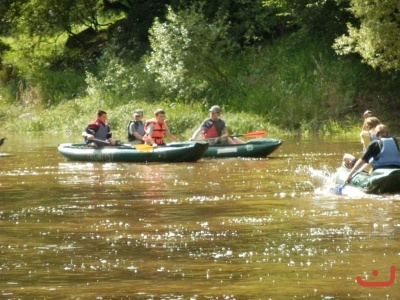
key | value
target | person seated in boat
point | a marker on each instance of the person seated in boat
(135, 128)
(367, 135)
(383, 152)
(98, 132)
(156, 128)
(214, 129)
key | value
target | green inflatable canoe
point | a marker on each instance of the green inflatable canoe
(261, 147)
(179, 152)
(380, 181)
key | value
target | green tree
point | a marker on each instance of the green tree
(323, 18)
(84, 27)
(250, 21)
(38, 30)
(186, 53)
(377, 36)
(6, 15)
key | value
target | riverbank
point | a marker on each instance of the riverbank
(183, 119)
(294, 86)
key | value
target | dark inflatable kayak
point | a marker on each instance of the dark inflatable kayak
(179, 152)
(379, 181)
(260, 147)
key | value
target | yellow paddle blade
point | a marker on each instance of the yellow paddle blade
(143, 147)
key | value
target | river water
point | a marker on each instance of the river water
(215, 229)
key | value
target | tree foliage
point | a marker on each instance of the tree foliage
(192, 50)
(186, 52)
(250, 21)
(39, 32)
(322, 18)
(83, 27)
(53, 17)
(119, 81)
(377, 36)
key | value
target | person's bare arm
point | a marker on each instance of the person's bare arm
(195, 134)
(171, 136)
(357, 166)
(225, 133)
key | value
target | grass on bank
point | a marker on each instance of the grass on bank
(296, 85)
(71, 117)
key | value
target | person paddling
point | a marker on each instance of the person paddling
(384, 152)
(156, 128)
(98, 132)
(214, 129)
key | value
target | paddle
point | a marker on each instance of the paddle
(103, 142)
(107, 143)
(339, 189)
(253, 134)
(139, 147)
(143, 147)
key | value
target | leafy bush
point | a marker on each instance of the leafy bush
(187, 51)
(372, 36)
(299, 80)
(120, 81)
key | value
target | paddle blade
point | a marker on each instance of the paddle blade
(143, 147)
(338, 190)
(258, 133)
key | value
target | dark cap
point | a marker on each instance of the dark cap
(138, 112)
(215, 108)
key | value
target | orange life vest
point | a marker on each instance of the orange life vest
(158, 131)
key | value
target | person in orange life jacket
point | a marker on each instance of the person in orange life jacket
(384, 152)
(156, 128)
(98, 130)
(214, 129)
(135, 128)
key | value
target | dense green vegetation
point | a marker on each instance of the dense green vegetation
(298, 66)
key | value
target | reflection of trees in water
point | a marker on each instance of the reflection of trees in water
(205, 179)
(90, 174)
(154, 181)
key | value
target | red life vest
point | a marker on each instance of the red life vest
(211, 133)
(158, 131)
(213, 128)
(99, 130)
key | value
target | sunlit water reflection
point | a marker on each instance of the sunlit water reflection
(215, 229)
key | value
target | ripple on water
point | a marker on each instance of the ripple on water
(230, 229)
